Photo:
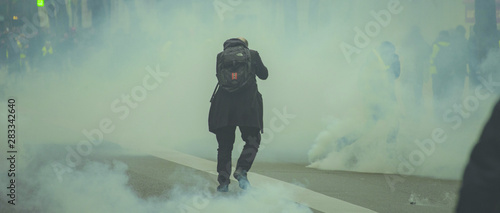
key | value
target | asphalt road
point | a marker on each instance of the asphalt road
(151, 176)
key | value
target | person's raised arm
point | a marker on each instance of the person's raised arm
(261, 70)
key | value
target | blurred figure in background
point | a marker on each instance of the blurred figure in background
(441, 73)
(377, 84)
(458, 46)
(381, 70)
(417, 53)
(17, 57)
(10, 54)
(475, 55)
(391, 68)
(47, 56)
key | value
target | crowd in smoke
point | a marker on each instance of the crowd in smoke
(46, 50)
(437, 89)
(305, 74)
(453, 59)
(447, 63)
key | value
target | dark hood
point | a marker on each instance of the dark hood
(233, 42)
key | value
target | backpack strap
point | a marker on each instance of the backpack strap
(215, 91)
(250, 61)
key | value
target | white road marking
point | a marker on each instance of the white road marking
(304, 196)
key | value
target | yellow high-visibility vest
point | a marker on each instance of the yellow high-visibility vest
(44, 51)
(382, 64)
(435, 51)
(22, 55)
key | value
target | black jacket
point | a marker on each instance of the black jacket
(241, 108)
(480, 191)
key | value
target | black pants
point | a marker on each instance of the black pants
(225, 138)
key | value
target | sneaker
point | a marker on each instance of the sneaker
(223, 188)
(241, 176)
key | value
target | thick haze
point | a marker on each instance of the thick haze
(313, 96)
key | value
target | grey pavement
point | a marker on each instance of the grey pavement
(151, 176)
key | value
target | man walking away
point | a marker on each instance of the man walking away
(237, 102)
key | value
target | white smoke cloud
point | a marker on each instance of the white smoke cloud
(105, 187)
(308, 74)
(360, 144)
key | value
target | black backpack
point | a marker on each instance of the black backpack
(234, 68)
